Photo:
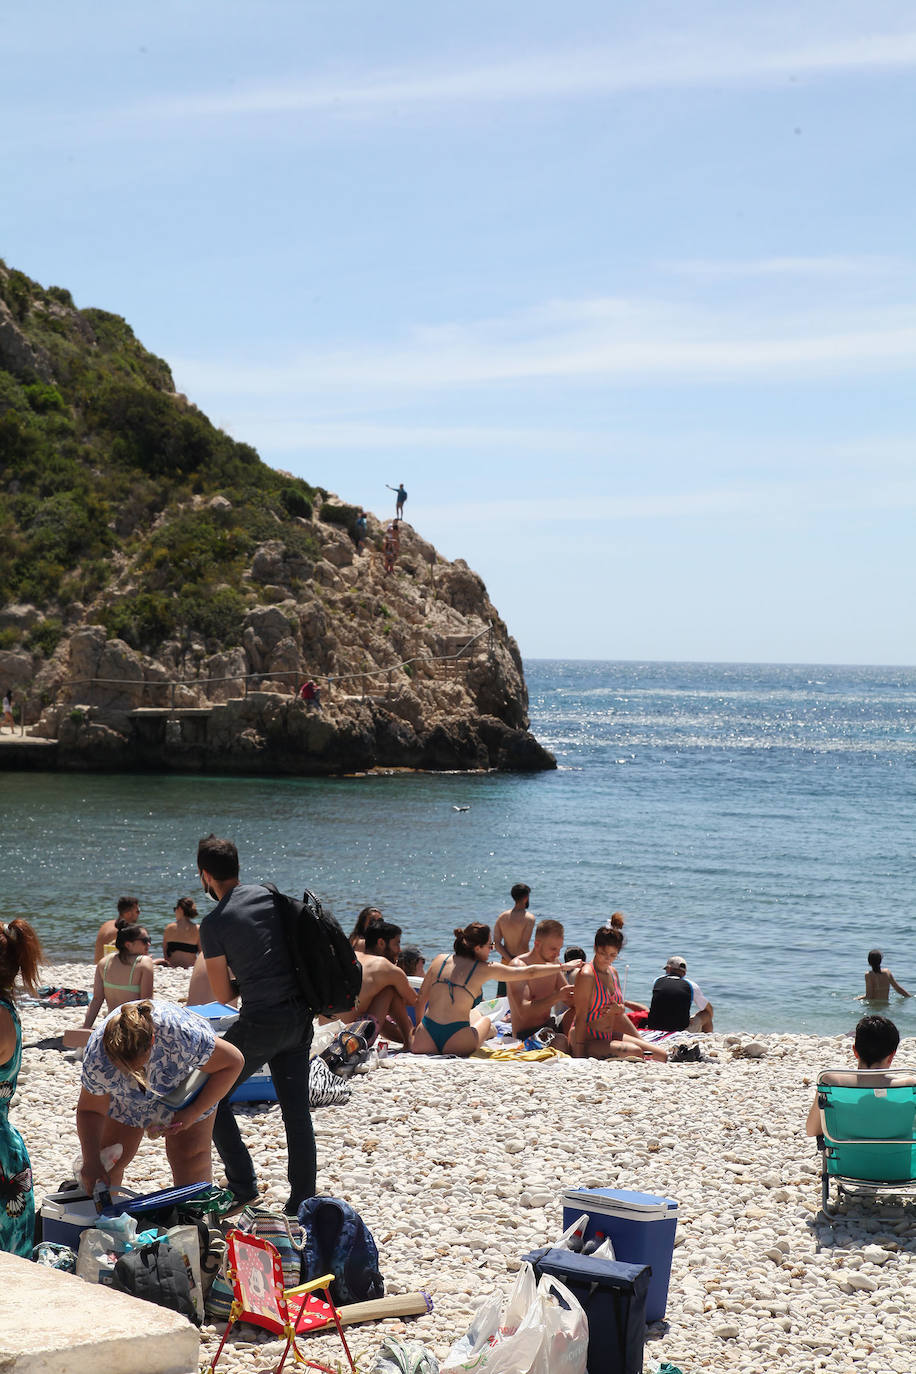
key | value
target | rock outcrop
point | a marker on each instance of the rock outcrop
(415, 670)
(164, 594)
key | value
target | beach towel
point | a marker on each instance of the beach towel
(514, 1054)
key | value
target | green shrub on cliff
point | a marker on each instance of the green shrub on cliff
(100, 465)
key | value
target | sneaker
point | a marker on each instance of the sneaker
(241, 1201)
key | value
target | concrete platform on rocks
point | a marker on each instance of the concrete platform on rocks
(54, 1323)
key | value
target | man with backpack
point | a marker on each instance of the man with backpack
(245, 933)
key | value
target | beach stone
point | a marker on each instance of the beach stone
(728, 1332)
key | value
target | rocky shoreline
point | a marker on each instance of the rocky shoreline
(458, 1167)
(415, 670)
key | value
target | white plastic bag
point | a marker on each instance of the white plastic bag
(499, 1339)
(323, 1036)
(564, 1330)
(102, 1245)
(186, 1241)
(578, 1225)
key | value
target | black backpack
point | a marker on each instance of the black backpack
(157, 1273)
(325, 963)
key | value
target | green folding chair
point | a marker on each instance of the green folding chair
(868, 1131)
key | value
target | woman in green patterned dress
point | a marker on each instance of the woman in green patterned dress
(20, 955)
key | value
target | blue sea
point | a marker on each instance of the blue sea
(755, 819)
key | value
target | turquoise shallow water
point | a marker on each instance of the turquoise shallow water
(756, 819)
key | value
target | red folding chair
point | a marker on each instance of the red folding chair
(253, 1268)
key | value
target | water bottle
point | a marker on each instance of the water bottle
(592, 1245)
(574, 1236)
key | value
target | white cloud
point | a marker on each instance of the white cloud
(603, 339)
(666, 62)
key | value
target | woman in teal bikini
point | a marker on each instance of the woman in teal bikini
(453, 983)
(601, 1028)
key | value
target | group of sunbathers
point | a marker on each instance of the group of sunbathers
(576, 1005)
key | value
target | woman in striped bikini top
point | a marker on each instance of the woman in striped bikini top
(601, 1028)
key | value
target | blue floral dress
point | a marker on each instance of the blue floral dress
(17, 1201)
(183, 1041)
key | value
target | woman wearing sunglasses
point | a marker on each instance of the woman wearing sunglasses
(125, 976)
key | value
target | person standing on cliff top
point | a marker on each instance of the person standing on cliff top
(401, 495)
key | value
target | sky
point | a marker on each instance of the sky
(624, 294)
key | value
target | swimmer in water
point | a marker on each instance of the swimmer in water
(879, 981)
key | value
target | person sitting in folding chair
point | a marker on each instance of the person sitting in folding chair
(865, 1119)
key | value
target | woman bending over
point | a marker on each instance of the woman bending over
(20, 955)
(134, 1058)
(451, 986)
(601, 1028)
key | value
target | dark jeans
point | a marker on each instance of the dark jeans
(281, 1038)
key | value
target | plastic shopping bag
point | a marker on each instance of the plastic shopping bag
(504, 1336)
(564, 1330)
(102, 1245)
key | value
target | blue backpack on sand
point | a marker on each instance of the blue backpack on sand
(338, 1242)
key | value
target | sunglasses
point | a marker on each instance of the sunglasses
(144, 940)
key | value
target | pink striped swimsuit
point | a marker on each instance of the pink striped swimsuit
(601, 1002)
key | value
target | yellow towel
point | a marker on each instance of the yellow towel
(507, 1056)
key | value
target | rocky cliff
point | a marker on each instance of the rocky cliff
(164, 594)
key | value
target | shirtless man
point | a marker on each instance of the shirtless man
(128, 914)
(385, 992)
(531, 1003)
(513, 929)
(384, 939)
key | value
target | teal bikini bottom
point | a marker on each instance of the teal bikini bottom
(440, 1032)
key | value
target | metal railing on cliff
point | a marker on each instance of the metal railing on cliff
(329, 682)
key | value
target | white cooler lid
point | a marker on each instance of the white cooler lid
(621, 1202)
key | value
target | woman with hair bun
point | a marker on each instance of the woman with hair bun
(453, 983)
(601, 1028)
(139, 1054)
(123, 976)
(20, 955)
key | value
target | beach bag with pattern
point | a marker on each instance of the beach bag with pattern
(338, 1242)
(325, 1088)
(285, 1236)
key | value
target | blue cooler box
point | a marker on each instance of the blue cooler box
(260, 1086)
(65, 1216)
(641, 1227)
(613, 1297)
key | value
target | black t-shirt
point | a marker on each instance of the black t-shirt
(670, 1006)
(246, 928)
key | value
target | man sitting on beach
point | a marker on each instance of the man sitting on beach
(128, 915)
(513, 929)
(384, 939)
(672, 997)
(532, 1003)
(874, 1047)
(385, 993)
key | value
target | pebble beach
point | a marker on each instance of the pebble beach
(458, 1168)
